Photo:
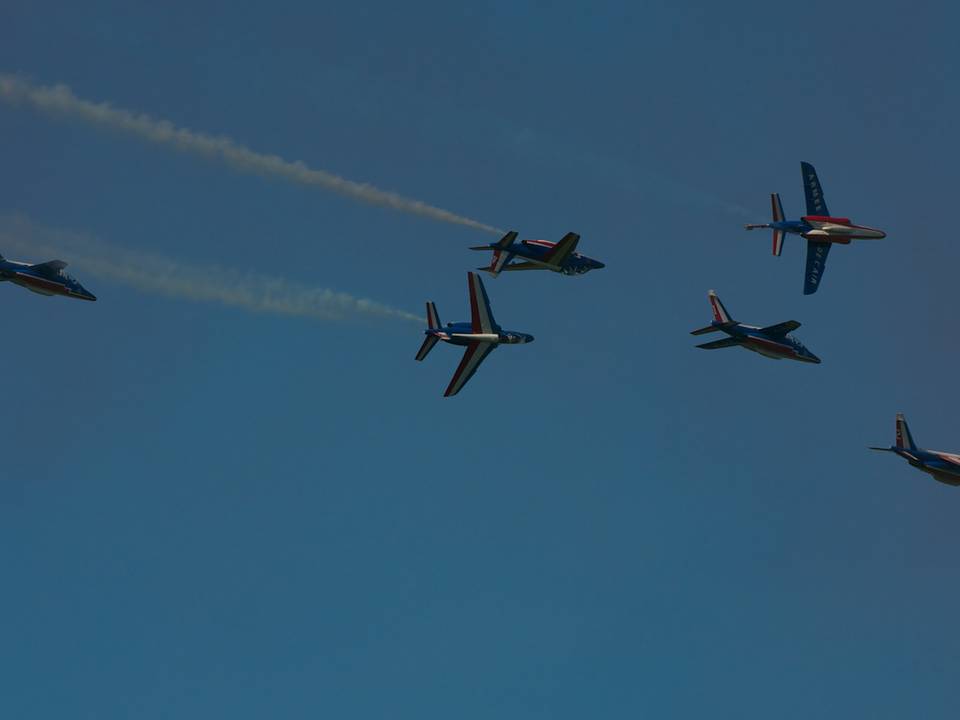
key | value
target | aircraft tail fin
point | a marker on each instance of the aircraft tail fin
(433, 318)
(904, 438)
(778, 216)
(433, 323)
(720, 314)
(778, 235)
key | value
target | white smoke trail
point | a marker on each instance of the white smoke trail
(58, 99)
(155, 274)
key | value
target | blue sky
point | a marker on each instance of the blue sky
(211, 512)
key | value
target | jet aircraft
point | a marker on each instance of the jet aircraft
(820, 229)
(538, 255)
(773, 341)
(480, 336)
(47, 278)
(944, 467)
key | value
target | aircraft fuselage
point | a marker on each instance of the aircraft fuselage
(821, 228)
(463, 334)
(780, 347)
(943, 467)
(537, 250)
(42, 281)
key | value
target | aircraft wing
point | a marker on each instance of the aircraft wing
(472, 357)
(780, 328)
(51, 266)
(816, 263)
(816, 205)
(562, 250)
(717, 344)
(481, 316)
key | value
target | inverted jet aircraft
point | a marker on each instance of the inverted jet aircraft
(773, 341)
(559, 257)
(944, 467)
(481, 336)
(47, 278)
(820, 229)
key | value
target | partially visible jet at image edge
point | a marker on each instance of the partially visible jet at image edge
(818, 227)
(481, 336)
(559, 257)
(772, 341)
(943, 467)
(46, 278)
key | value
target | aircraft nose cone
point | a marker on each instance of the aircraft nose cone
(529, 338)
(600, 265)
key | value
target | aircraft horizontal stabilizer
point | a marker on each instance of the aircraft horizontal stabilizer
(705, 330)
(428, 342)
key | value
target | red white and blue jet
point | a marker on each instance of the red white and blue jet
(942, 466)
(773, 341)
(47, 278)
(820, 229)
(559, 257)
(481, 336)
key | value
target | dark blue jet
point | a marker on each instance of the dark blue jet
(820, 229)
(773, 341)
(481, 336)
(944, 467)
(47, 278)
(559, 257)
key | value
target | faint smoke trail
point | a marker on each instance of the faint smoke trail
(59, 99)
(155, 274)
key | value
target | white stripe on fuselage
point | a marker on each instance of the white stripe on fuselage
(477, 337)
(857, 232)
(773, 349)
(948, 457)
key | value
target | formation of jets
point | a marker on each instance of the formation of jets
(482, 335)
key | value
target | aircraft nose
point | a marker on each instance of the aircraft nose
(599, 265)
(528, 338)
